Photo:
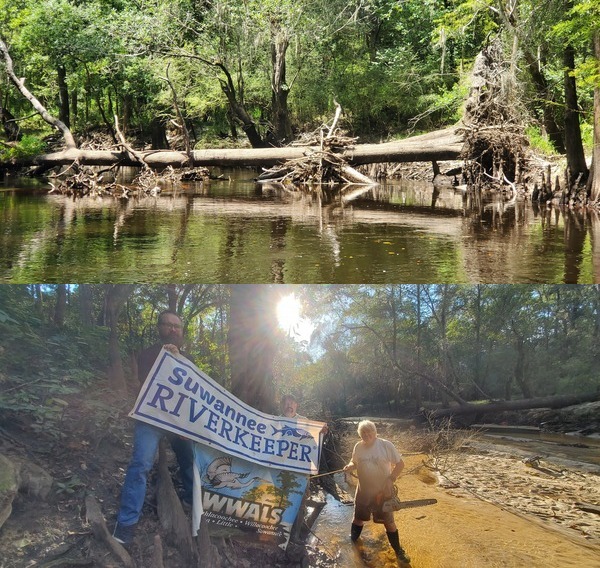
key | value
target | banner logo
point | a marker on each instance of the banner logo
(247, 501)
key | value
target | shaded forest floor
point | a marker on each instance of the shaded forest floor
(492, 509)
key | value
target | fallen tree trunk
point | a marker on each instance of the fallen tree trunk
(441, 145)
(558, 401)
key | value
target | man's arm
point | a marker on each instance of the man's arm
(396, 471)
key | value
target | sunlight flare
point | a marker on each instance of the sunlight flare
(289, 316)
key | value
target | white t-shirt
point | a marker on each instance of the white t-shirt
(295, 417)
(374, 464)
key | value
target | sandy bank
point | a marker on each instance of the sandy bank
(493, 510)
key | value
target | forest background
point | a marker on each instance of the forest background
(225, 72)
(344, 350)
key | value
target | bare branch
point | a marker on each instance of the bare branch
(186, 134)
(20, 84)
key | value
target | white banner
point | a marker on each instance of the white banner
(180, 398)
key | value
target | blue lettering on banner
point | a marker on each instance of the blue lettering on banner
(179, 397)
(178, 375)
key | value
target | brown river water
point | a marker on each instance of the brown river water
(235, 231)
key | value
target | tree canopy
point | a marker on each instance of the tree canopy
(389, 349)
(277, 68)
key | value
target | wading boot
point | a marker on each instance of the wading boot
(401, 556)
(355, 531)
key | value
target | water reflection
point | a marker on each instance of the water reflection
(238, 231)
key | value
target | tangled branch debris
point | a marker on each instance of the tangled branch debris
(80, 181)
(321, 166)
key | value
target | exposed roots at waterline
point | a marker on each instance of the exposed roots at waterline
(82, 181)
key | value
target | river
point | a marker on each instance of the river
(235, 231)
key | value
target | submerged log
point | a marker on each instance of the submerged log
(440, 145)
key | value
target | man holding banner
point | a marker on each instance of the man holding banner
(147, 437)
(251, 469)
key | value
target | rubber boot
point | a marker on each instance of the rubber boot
(394, 539)
(355, 531)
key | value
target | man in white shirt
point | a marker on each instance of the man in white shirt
(378, 464)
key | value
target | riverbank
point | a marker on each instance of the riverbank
(494, 508)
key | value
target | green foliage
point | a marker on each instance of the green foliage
(392, 65)
(539, 142)
(470, 338)
(27, 147)
(587, 136)
(69, 486)
(376, 349)
(377, 59)
(580, 23)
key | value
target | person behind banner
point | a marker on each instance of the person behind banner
(289, 407)
(378, 464)
(146, 439)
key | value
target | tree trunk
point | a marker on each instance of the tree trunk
(573, 143)
(74, 105)
(11, 127)
(594, 182)
(63, 94)
(280, 90)
(60, 308)
(419, 384)
(172, 295)
(86, 305)
(544, 93)
(546, 99)
(20, 84)
(39, 300)
(127, 113)
(520, 367)
(239, 111)
(448, 146)
(158, 134)
(252, 328)
(116, 296)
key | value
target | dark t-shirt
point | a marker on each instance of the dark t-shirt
(146, 359)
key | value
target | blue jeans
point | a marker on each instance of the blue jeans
(145, 447)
